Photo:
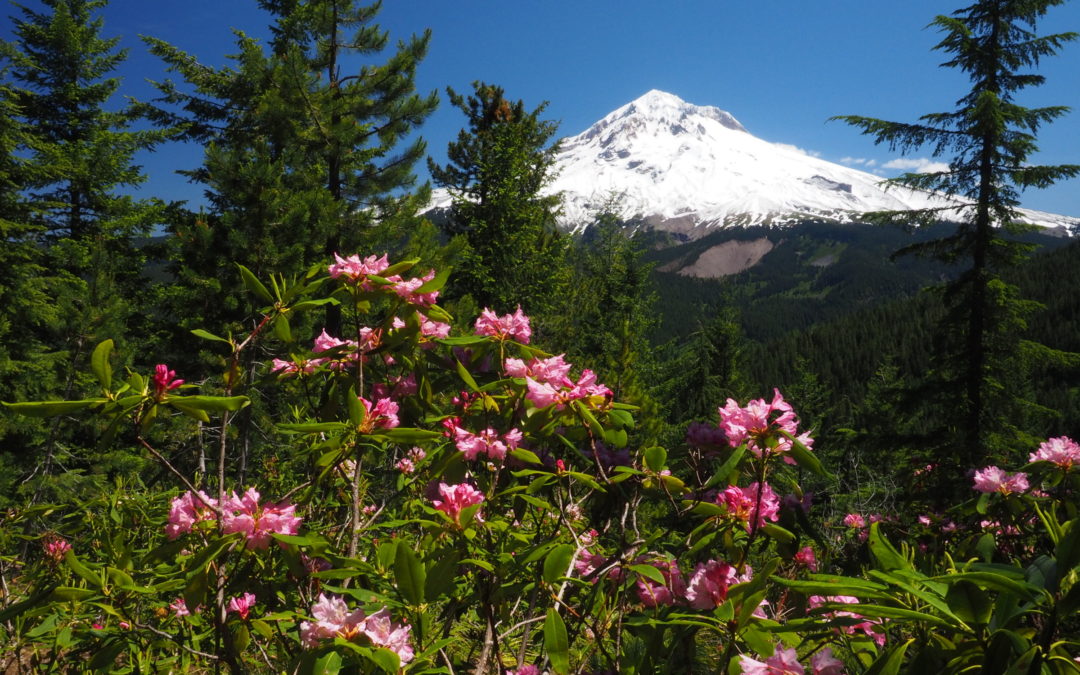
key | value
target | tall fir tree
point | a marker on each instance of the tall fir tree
(497, 169)
(990, 138)
(307, 148)
(72, 232)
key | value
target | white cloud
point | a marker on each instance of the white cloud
(795, 148)
(853, 160)
(916, 164)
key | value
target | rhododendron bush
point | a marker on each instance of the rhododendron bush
(451, 498)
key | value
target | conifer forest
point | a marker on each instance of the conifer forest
(315, 427)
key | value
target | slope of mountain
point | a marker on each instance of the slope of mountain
(685, 169)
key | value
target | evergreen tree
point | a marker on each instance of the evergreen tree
(497, 168)
(991, 137)
(71, 235)
(306, 148)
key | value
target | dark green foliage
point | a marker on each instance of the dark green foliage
(70, 231)
(303, 158)
(496, 170)
(989, 138)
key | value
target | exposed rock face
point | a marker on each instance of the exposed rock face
(723, 260)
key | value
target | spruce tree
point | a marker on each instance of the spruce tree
(497, 169)
(306, 144)
(989, 138)
(72, 235)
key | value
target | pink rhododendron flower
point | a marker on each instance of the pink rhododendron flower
(709, 583)
(508, 327)
(487, 442)
(866, 626)
(354, 269)
(332, 619)
(384, 633)
(242, 605)
(756, 426)
(823, 663)
(407, 290)
(257, 522)
(55, 547)
(782, 662)
(164, 380)
(188, 509)
(751, 505)
(430, 328)
(543, 394)
(397, 388)
(652, 594)
(1063, 451)
(405, 465)
(179, 607)
(553, 370)
(455, 498)
(287, 368)
(381, 415)
(525, 670)
(993, 479)
(855, 520)
(806, 557)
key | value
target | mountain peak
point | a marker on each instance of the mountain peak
(665, 107)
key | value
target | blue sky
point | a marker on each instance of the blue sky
(781, 67)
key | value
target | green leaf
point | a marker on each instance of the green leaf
(463, 341)
(199, 332)
(888, 558)
(189, 410)
(409, 574)
(778, 533)
(441, 576)
(525, 456)
(51, 408)
(555, 642)
(77, 566)
(649, 572)
(105, 655)
(969, 603)
(466, 377)
(389, 661)
(211, 404)
(68, 593)
(254, 285)
(312, 427)
(729, 465)
(405, 435)
(804, 457)
(889, 663)
(655, 458)
(357, 414)
(437, 283)
(282, 328)
(99, 364)
(1067, 552)
(557, 562)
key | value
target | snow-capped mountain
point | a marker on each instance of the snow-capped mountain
(686, 168)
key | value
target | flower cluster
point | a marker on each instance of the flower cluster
(786, 662)
(55, 548)
(993, 479)
(487, 442)
(239, 514)
(164, 381)
(756, 426)
(508, 327)
(1062, 451)
(543, 394)
(456, 498)
(240, 604)
(355, 271)
(753, 504)
(709, 584)
(332, 619)
(379, 415)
